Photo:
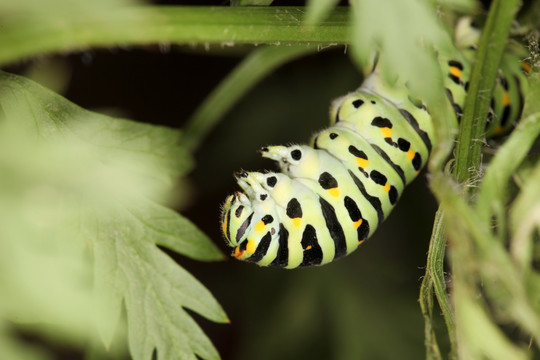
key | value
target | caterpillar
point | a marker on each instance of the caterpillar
(330, 196)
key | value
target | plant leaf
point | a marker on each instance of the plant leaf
(129, 266)
(394, 28)
(316, 11)
(104, 171)
(13, 349)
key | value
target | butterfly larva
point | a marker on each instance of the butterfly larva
(331, 196)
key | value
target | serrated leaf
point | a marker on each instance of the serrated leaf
(168, 228)
(103, 172)
(130, 266)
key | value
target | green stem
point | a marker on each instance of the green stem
(467, 164)
(484, 73)
(434, 281)
(185, 25)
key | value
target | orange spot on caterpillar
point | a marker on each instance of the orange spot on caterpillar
(224, 227)
(455, 71)
(237, 253)
(250, 247)
(410, 154)
(308, 247)
(334, 192)
(506, 99)
(387, 132)
(357, 224)
(363, 163)
(526, 66)
(259, 226)
(297, 221)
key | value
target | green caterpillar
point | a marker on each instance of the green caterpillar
(332, 195)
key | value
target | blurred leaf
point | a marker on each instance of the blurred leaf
(11, 348)
(396, 27)
(317, 10)
(44, 267)
(525, 170)
(46, 114)
(525, 220)
(509, 157)
(78, 185)
(188, 25)
(479, 337)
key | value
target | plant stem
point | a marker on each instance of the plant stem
(165, 25)
(484, 73)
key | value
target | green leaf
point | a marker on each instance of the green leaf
(396, 27)
(79, 184)
(48, 114)
(510, 155)
(130, 267)
(187, 25)
(524, 214)
(480, 337)
(525, 220)
(318, 10)
(170, 229)
(10, 348)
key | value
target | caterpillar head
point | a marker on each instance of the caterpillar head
(248, 218)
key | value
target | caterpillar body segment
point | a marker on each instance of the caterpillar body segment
(331, 196)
